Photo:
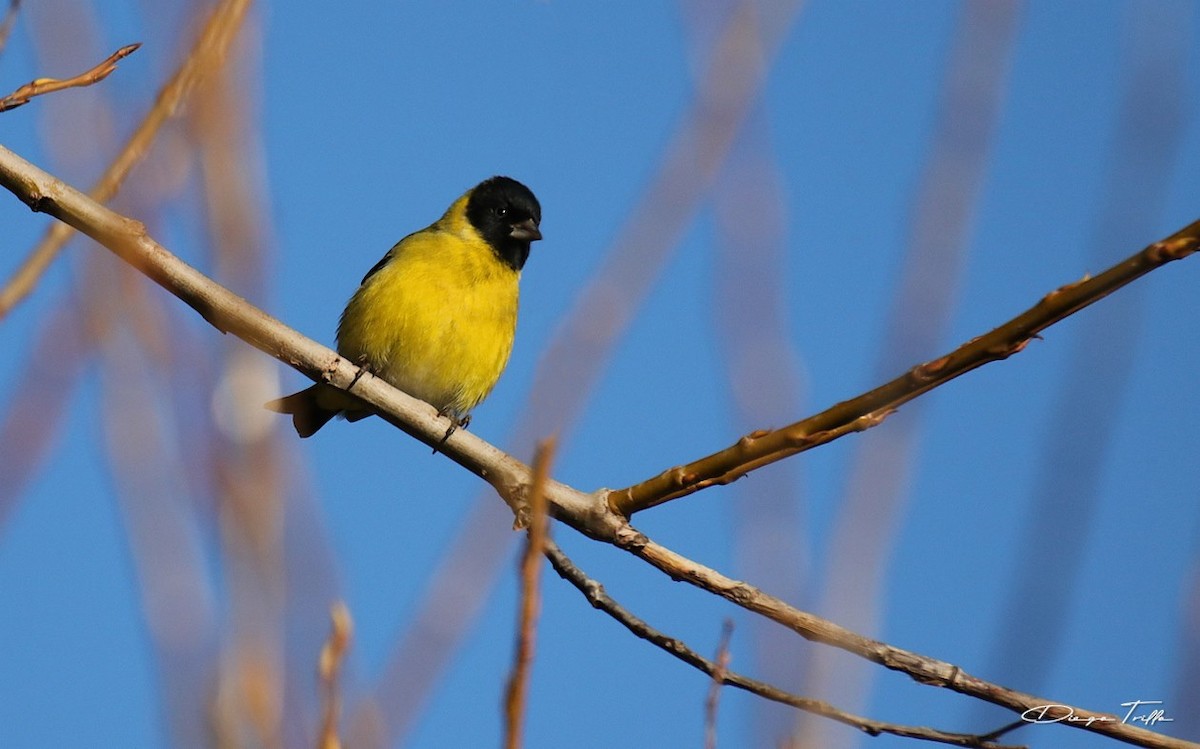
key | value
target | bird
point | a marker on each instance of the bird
(436, 317)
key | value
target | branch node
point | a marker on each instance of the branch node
(39, 202)
(330, 370)
(800, 439)
(1003, 350)
(749, 439)
(1166, 250)
(629, 538)
(679, 476)
(929, 371)
(1065, 288)
(743, 593)
(872, 419)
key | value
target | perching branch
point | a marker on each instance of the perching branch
(208, 52)
(40, 86)
(230, 313)
(588, 513)
(761, 448)
(600, 599)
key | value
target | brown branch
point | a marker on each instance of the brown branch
(518, 680)
(588, 513)
(208, 51)
(230, 313)
(10, 20)
(761, 448)
(329, 667)
(878, 480)
(599, 598)
(923, 669)
(40, 86)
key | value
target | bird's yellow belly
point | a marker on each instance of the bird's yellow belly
(442, 333)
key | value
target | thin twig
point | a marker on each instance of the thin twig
(10, 20)
(207, 53)
(600, 599)
(40, 86)
(329, 667)
(518, 680)
(588, 513)
(921, 668)
(761, 448)
(720, 671)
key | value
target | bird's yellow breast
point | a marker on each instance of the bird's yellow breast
(437, 319)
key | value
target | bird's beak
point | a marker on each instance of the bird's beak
(526, 231)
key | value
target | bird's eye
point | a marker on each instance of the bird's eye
(502, 211)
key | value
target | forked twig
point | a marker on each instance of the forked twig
(600, 599)
(590, 513)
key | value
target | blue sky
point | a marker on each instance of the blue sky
(373, 117)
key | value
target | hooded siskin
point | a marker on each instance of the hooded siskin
(437, 315)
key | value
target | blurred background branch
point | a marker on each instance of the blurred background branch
(206, 55)
(9, 20)
(169, 560)
(255, 683)
(928, 285)
(1077, 446)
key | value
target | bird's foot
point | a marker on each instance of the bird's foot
(455, 423)
(362, 370)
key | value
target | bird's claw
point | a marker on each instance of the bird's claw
(455, 423)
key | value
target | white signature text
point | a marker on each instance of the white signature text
(1144, 712)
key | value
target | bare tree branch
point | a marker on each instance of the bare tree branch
(923, 669)
(590, 513)
(40, 86)
(208, 52)
(600, 599)
(761, 448)
(230, 313)
(740, 55)
(1098, 379)
(942, 215)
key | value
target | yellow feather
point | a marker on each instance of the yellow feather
(438, 319)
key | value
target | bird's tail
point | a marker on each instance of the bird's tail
(308, 415)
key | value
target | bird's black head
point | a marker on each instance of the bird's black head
(507, 214)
